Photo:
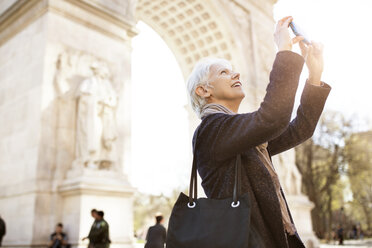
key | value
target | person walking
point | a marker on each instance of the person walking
(94, 214)
(157, 234)
(216, 92)
(99, 236)
(340, 234)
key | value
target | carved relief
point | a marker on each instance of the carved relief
(95, 120)
(88, 103)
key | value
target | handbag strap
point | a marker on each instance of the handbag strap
(193, 192)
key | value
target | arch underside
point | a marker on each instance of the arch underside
(191, 28)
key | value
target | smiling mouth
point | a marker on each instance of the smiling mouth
(236, 84)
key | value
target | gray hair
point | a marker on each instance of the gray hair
(199, 76)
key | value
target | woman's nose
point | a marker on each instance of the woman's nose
(236, 75)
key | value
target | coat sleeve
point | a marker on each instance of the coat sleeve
(238, 133)
(302, 127)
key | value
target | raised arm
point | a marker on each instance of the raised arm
(238, 133)
(312, 103)
(302, 127)
(233, 134)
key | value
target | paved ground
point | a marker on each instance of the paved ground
(139, 245)
(351, 244)
(347, 244)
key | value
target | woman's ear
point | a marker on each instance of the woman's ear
(202, 91)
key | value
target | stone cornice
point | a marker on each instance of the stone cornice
(24, 12)
(105, 14)
(82, 186)
(263, 6)
(19, 16)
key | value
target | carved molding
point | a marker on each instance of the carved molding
(24, 12)
(265, 7)
(192, 29)
(19, 16)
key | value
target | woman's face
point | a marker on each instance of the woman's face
(225, 84)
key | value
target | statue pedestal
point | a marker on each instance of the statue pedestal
(103, 190)
(300, 207)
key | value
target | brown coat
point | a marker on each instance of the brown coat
(221, 137)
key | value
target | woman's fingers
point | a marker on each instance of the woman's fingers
(314, 61)
(304, 49)
(283, 20)
(281, 34)
(310, 49)
(303, 46)
(317, 47)
(297, 39)
(287, 21)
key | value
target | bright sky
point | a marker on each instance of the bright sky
(160, 137)
(344, 27)
(160, 140)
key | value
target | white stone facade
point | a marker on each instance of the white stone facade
(46, 50)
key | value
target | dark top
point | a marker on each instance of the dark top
(156, 236)
(92, 229)
(99, 233)
(222, 137)
(56, 242)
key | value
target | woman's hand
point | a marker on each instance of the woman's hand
(313, 55)
(282, 37)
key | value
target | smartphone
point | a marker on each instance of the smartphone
(298, 32)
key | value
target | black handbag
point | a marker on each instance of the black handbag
(210, 223)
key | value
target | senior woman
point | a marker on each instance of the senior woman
(216, 93)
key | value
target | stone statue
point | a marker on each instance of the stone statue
(95, 121)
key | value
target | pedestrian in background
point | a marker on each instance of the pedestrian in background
(99, 236)
(156, 235)
(340, 234)
(94, 215)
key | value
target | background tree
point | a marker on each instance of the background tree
(146, 206)
(358, 154)
(321, 164)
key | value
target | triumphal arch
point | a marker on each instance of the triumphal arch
(65, 95)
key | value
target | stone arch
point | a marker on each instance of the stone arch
(192, 29)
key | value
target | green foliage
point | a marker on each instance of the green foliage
(147, 206)
(358, 154)
(335, 159)
(321, 164)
